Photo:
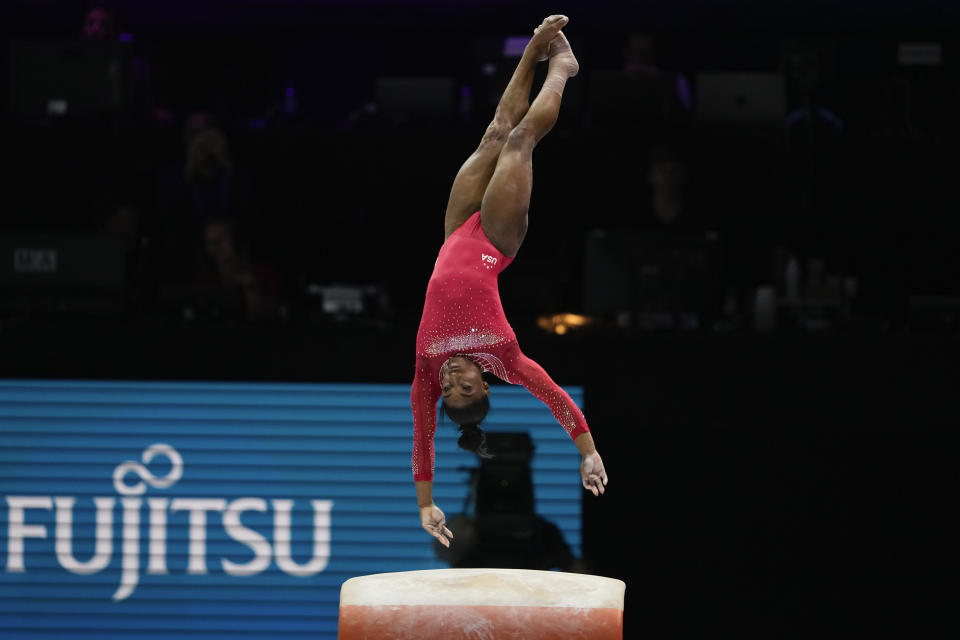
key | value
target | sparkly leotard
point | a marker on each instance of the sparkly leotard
(462, 315)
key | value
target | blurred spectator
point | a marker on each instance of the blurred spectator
(668, 205)
(208, 158)
(639, 61)
(206, 185)
(659, 256)
(99, 24)
(807, 73)
(637, 92)
(230, 281)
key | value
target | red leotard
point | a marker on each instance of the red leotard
(462, 315)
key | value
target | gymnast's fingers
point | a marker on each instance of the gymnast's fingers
(589, 486)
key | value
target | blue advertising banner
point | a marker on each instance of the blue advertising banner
(226, 510)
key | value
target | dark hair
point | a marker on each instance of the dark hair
(472, 437)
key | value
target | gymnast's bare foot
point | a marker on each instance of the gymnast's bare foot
(561, 53)
(542, 36)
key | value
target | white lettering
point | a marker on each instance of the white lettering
(35, 260)
(17, 530)
(232, 512)
(104, 536)
(257, 543)
(486, 258)
(198, 508)
(158, 536)
(130, 574)
(321, 537)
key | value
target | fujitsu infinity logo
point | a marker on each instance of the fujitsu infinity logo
(158, 508)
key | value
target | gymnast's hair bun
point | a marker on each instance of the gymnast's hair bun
(474, 439)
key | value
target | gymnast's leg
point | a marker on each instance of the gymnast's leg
(473, 177)
(505, 202)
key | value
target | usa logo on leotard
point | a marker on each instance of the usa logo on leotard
(489, 260)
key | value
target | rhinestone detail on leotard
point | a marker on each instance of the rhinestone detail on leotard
(462, 315)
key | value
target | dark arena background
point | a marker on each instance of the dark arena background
(217, 222)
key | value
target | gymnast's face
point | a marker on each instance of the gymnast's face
(461, 382)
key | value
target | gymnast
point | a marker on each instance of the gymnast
(464, 331)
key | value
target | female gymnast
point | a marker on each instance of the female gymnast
(464, 331)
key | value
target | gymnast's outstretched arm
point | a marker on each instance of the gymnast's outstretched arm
(424, 393)
(523, 370)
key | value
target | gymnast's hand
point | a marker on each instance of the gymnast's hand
(593, 474)
(435, 524)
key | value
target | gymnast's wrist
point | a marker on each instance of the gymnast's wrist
(424, 493)
(585, 444)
